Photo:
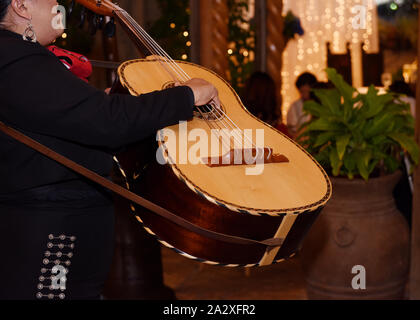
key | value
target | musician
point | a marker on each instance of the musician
(296, 116)
(260, 98)
(50, 216)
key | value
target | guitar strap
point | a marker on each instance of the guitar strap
(17, 135)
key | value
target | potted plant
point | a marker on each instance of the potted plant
(359, 247)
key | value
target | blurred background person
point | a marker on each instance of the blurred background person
(260, 98)
(406, 94)
(296, 116)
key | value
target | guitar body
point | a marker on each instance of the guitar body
(280, 200)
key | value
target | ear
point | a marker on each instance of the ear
(21, 9)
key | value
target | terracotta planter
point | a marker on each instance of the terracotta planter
(360, 226)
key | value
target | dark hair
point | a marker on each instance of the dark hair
(306, 79)
(402, 88)
(4, 6)
(260, 98)
(320, 85)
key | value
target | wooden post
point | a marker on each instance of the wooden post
(213, 34)
(276, 42)
(127, 49)
(415, 237)
(261, 47)
(195, 32)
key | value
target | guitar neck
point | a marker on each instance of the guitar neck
(147, 46)
(144, 43)
(131, 27)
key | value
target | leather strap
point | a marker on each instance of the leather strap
(271, 243)
(105, 64)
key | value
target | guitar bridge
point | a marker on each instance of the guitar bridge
(239, 157)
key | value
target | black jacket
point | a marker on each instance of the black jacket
(39, 96)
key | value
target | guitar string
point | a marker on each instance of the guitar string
(164, 55)
(155, 48)
(171, 61)
(153, 51)
(186, 76)
(149, 46)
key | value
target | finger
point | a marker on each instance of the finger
(217, 103)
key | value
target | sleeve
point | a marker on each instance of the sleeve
(39, 95)
(292, 119)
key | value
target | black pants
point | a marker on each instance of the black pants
(54, 250)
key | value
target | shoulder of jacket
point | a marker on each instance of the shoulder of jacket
(16, 49)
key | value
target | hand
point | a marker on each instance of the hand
(204, 92)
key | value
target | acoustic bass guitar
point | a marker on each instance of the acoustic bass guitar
(224, 171)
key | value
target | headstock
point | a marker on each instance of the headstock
(95, 11)
(100, 7)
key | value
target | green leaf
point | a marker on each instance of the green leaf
(398, 107)
(350, 164)
(379, 140)
(403, 124)
(362, 162)
(315, 109)
(354, 134)
(342, 143)
(348, 110)
(372, 165)
(323, 138)
(391, 164)
(323, 124)
(408, 144)
(379, 125)
(343, 87)
(335, 162)
(375, 103)
(330, 99)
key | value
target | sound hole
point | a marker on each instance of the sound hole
(208, 113)
(168, 85)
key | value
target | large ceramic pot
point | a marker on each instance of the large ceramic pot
(359, 246)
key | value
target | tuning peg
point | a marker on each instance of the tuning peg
(110, 28)
(82, 17)
(71, 8)
(93, 24)
(100, 21)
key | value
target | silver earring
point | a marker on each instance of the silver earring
(29, 34)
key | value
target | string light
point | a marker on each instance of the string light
(324, 21)
(393, 6)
